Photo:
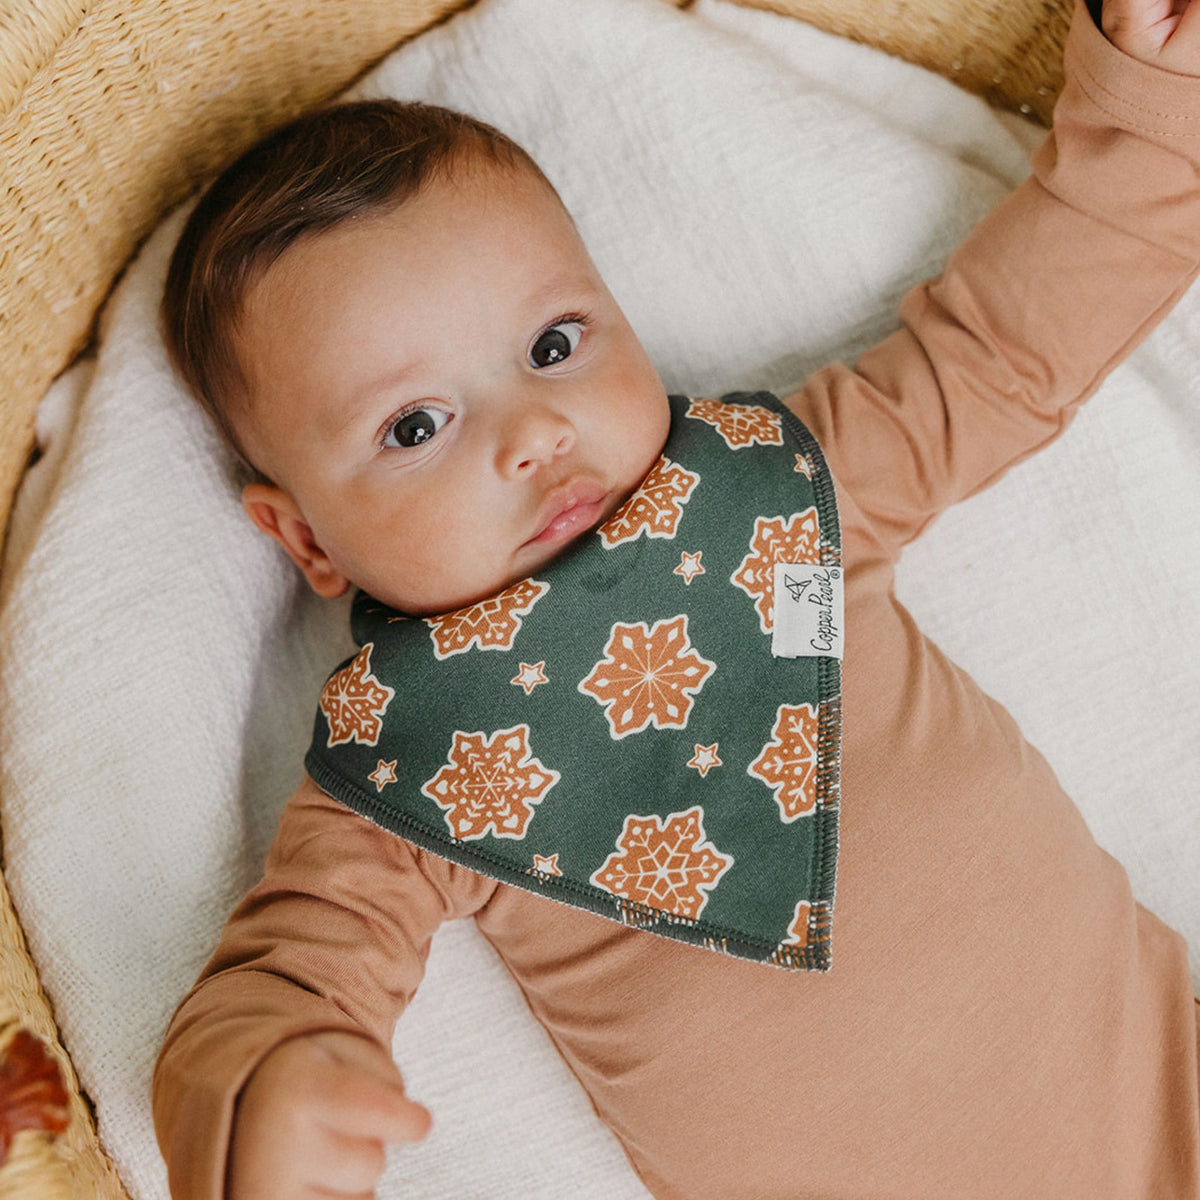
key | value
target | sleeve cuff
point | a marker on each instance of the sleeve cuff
(1149, 100)
(196, 1092)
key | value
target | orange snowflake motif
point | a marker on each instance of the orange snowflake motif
(803, 466)
(492, 624)
(794, 540)
(648, 676)
(740, 425)
(664, 863)
(788, 762)
(655, 508)
(354, 702)
(490, 783)
(798, 929)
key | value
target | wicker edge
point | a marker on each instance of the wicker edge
(73, 1165)
(1009, 53)
(127, 109)
(110, 113)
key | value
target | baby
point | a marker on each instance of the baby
(392, 318)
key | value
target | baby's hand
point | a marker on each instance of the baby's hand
(315, 1120)
(1163, 33)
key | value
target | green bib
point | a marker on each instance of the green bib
(616, 732)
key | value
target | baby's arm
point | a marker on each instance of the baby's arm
(312, 970)
(1045, 296)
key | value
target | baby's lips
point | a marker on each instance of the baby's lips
(568, 509)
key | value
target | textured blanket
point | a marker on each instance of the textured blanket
(758, 196)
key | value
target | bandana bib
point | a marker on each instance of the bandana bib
(626, 731)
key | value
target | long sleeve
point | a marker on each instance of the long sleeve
(334, 937)
(1042, 300)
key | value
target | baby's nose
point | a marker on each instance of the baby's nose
(534, 435)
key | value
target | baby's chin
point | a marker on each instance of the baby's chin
(424, 603)
(434, 604)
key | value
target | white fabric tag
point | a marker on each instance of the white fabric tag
(809, 611)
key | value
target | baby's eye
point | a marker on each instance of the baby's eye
(415, 426)
(555, 344)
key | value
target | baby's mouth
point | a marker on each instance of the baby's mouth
(567, 512)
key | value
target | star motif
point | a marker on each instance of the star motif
(383, 774)
(689, 565)
(530, 675)
(546, 864)
(705, 758)
(803, 466)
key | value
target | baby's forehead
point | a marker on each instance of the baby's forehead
(511, 215)
(487, 192)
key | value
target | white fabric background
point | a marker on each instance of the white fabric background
(758, 196)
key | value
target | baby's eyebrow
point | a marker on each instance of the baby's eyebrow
(390, 379)
(570, 289)
(346, 412)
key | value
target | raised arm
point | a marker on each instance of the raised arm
(312, 971)
(1045, 296)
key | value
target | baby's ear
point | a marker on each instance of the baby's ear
(279, 517)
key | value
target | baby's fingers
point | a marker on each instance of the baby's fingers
(1162, 33)
(358, 1117)
(1184, 43)
(339, 1166)
(358, 1104)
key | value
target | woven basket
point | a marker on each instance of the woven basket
(111, 112)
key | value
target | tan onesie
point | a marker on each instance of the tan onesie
(1001, 1018)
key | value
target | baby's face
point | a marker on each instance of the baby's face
(446, 395)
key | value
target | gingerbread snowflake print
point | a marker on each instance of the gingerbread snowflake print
(492, 624)
(740, 425)
(490, 784)
(648, 676)
(788, 762)
(794, 539)
(354, 702)
(664, 863)
(655, 508)
(797, 934)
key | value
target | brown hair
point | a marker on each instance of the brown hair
(311, 175)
